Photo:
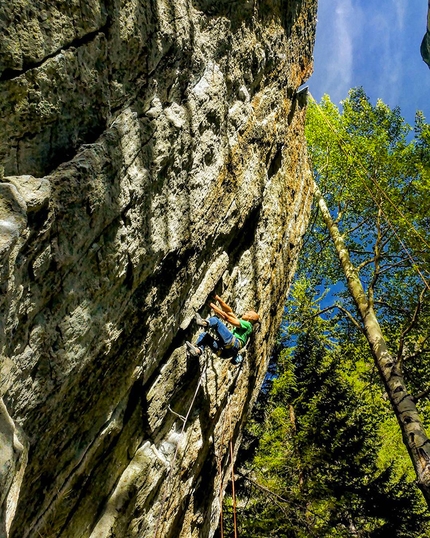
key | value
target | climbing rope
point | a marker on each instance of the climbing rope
(233, 491)
(221, 482)
(184, 420)
(228, 414)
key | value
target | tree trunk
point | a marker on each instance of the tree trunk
(414, 435)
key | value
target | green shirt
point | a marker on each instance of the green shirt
(244, 331)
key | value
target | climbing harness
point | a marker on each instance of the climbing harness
(232, 343)
(238, 359)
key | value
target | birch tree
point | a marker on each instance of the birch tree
(372, 189)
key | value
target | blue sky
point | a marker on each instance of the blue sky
(374, 44)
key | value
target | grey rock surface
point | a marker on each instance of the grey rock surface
(153, 155)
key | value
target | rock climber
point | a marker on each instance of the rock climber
(229, 343)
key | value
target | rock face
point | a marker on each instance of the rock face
(425, 45)
(153, 154)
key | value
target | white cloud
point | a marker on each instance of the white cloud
(400, 8)
(342, 62)
(386, 30)
(374, 44)
(335, 49)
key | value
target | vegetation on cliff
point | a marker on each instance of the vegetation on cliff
(353, 371)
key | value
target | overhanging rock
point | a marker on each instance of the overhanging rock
(153, 154)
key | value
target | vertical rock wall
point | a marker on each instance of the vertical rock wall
(153, 154)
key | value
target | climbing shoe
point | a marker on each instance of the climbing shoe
(200, 321)
(193, 350)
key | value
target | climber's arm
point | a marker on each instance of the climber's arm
(230, 317)
(226, 308)
(233, 319)
(218, 311)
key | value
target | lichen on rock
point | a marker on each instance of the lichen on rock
(154, 155)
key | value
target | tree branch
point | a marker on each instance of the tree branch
(385, 268)
(366, 262)
(351, 318)
(417, 353)
(377, 259)
(384, 243)
(327, 309)
(412, 324)
(391, 307)
(342, 309)
(421, 395)
(358, 226)
(393, 265)
(263, 488)
(360, 252)
(276, 496)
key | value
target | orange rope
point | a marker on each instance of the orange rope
(221, 488)
(233, 492)
(232, 474)
(221, 499)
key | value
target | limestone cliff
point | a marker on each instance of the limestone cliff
(153, 154)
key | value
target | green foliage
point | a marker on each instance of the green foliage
(323, 447)
(324, 453)
(364, 164)
(376, 179)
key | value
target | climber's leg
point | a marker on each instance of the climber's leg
(200, 321)
(207, 340)
(192, 349)
(225, 335)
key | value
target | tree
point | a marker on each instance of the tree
(376, 183)
(330, 460)
(317, 471)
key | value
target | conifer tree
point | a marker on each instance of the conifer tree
(318, 470)
(372, 190)
(330, 460)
